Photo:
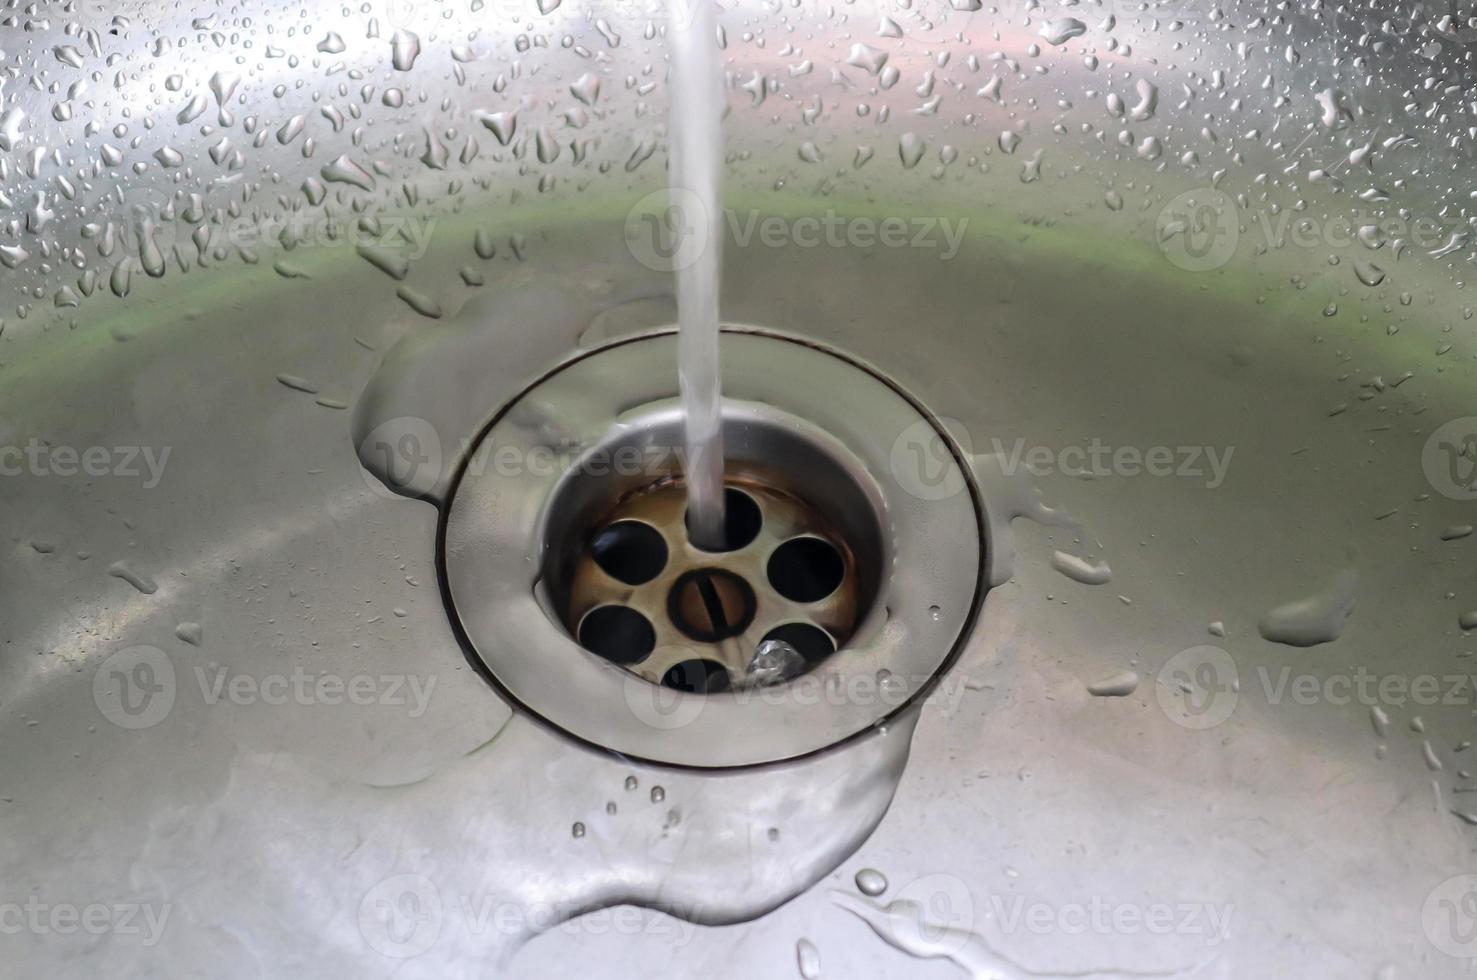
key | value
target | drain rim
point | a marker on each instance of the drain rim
(607, 708)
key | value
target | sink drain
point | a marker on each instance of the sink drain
(569, 571)
(645, 596)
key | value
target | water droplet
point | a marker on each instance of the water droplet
(1062, 30)
(808, 958)
(1081, 569)
(405, 47)
(501, 124)
(586, 88)
(1368, 273)
(871, 882)
(1319, 618)
(1119, 685)
(140, 581)
(867, 58)
(345, 171)
(911, 149)
(1148, 101)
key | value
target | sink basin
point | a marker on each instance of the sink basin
(1179, 286)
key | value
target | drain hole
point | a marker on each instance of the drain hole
(741, 520)
(806, 569)
(811, 642)
(697, 677)
(617, 633)
(710, 604)
(630, 552)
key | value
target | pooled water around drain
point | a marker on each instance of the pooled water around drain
(805, 846)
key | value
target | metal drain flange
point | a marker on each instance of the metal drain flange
(567, 565)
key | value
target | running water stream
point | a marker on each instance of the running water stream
(696, 135)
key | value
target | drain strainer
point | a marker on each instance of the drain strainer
(785, 574)
(569, 571)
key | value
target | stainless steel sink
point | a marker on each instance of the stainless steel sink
(1181, 287)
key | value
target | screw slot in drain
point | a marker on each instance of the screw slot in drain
(579, 590)
(710, 604)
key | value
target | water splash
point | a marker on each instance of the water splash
(393, 876)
